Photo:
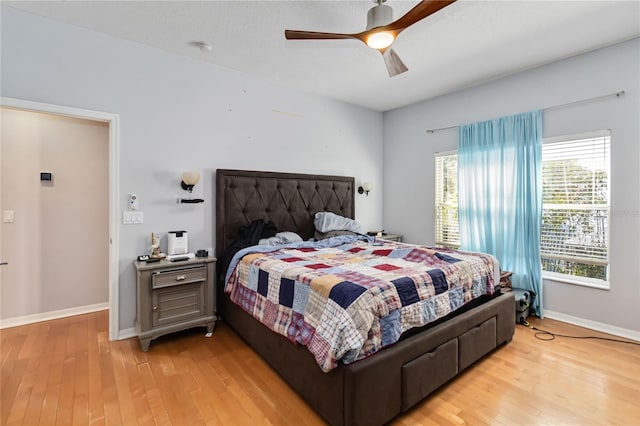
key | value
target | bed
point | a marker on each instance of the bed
(369, 391)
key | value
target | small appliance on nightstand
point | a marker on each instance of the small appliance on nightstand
(177, 243)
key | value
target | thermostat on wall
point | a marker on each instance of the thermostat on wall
(46, 176)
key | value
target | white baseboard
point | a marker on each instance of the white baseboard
(127, 333)
(593, 325)
(51, 315)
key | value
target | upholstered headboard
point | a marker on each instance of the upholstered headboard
(289, 200)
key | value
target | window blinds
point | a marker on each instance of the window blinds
(447, 231)
(575, 223)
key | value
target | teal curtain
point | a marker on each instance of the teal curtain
(500, 195)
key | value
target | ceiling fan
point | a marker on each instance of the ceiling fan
(381, 30)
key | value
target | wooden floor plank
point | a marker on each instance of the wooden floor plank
(95, 384)
(67, 372)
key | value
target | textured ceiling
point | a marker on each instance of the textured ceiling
(466, 43)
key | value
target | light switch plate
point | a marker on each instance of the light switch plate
(8, 216)
(132, 217)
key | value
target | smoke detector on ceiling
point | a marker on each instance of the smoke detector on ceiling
(202, 45)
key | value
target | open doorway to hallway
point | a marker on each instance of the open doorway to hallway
(58, 202)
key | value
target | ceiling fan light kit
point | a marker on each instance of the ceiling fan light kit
(381, 30)
(380, 40)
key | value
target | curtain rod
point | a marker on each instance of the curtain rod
(582, 101)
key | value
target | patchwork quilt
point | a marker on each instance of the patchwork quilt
(346, 297)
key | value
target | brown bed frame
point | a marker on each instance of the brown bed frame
(374, 390)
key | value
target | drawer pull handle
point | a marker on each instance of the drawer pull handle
(181, 277)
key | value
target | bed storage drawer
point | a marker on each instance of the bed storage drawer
(428, 372)
(476, 342)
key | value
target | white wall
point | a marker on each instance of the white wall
(179, 114)
(409, 161)
(57, 246)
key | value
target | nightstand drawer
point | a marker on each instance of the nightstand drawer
(178, 277)
(176, 304)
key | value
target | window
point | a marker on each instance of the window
(447, 232)
(574, 240)
(575, 208)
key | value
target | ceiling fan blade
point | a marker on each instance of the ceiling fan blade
(393, 62)
(419, 12)
(313, 35)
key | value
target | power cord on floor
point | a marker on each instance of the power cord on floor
(547, 335)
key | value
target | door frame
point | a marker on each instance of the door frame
(114, 172)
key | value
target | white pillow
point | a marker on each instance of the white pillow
(327, 221)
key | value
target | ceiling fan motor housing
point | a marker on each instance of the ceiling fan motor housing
(379, 15)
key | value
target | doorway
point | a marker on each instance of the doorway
(59, 206)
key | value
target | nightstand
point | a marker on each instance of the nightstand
(392, 237)
(173, 296)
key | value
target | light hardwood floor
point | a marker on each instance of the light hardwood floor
(67, 372)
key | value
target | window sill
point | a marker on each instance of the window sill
(581, 281)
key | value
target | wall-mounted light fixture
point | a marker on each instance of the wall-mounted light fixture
(189, 180)
(365, 188)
